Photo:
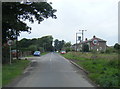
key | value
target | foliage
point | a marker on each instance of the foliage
(58, 45)
(28, 46)
(32, 48)
(110, 50)
(117, 46)
(44, 53)
(43, 43)
(46, 43)
(67, 49)
(24, 43)
(12, 71)
(103, 70)
(67, 44)
(14, 15)
(41, 49)
(85, 48)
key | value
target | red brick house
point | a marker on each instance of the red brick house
(93, 44)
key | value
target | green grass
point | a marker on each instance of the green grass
(41, 54)
(103, 70)
(9, 72)
(44, 53)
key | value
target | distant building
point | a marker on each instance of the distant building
(93, 44)
(73, 47)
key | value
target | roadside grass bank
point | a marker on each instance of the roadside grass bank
(9, 72)
(44, 53)
(102, 68)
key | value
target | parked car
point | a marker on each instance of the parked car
(63, 52)
(36, 53)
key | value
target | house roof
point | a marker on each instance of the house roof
(90, 40)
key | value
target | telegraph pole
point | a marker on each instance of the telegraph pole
(82, 34)
(77, 40)
(80, 37)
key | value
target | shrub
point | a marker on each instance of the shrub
(67, 49)
(102, 52)
(107, 51)
(111, 50)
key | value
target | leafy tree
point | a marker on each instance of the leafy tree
(24, 43)
(68, 44)
(110, 50)
(46, 43)
(32, 48)
(117, 46)
(85, 48)
(14, 15)
(58, 45)
(67, 49)
(43, 43)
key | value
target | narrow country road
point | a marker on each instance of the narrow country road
(52, 70)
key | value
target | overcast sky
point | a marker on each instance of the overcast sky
(98, 17)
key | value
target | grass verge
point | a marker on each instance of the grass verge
(103, 69)
(44, 53)
(40, 54)
(9, 72)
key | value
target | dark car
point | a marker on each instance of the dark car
(36, 53)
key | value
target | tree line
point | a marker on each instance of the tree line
(62, 45)
(41, 44)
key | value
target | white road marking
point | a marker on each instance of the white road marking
(51, 56)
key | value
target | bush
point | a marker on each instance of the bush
(107, 51)
(67, 49)
(110, 50)
(102, 52)
(85, 48)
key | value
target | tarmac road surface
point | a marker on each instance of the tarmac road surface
(52, 70)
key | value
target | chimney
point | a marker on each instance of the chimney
(94, 36)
